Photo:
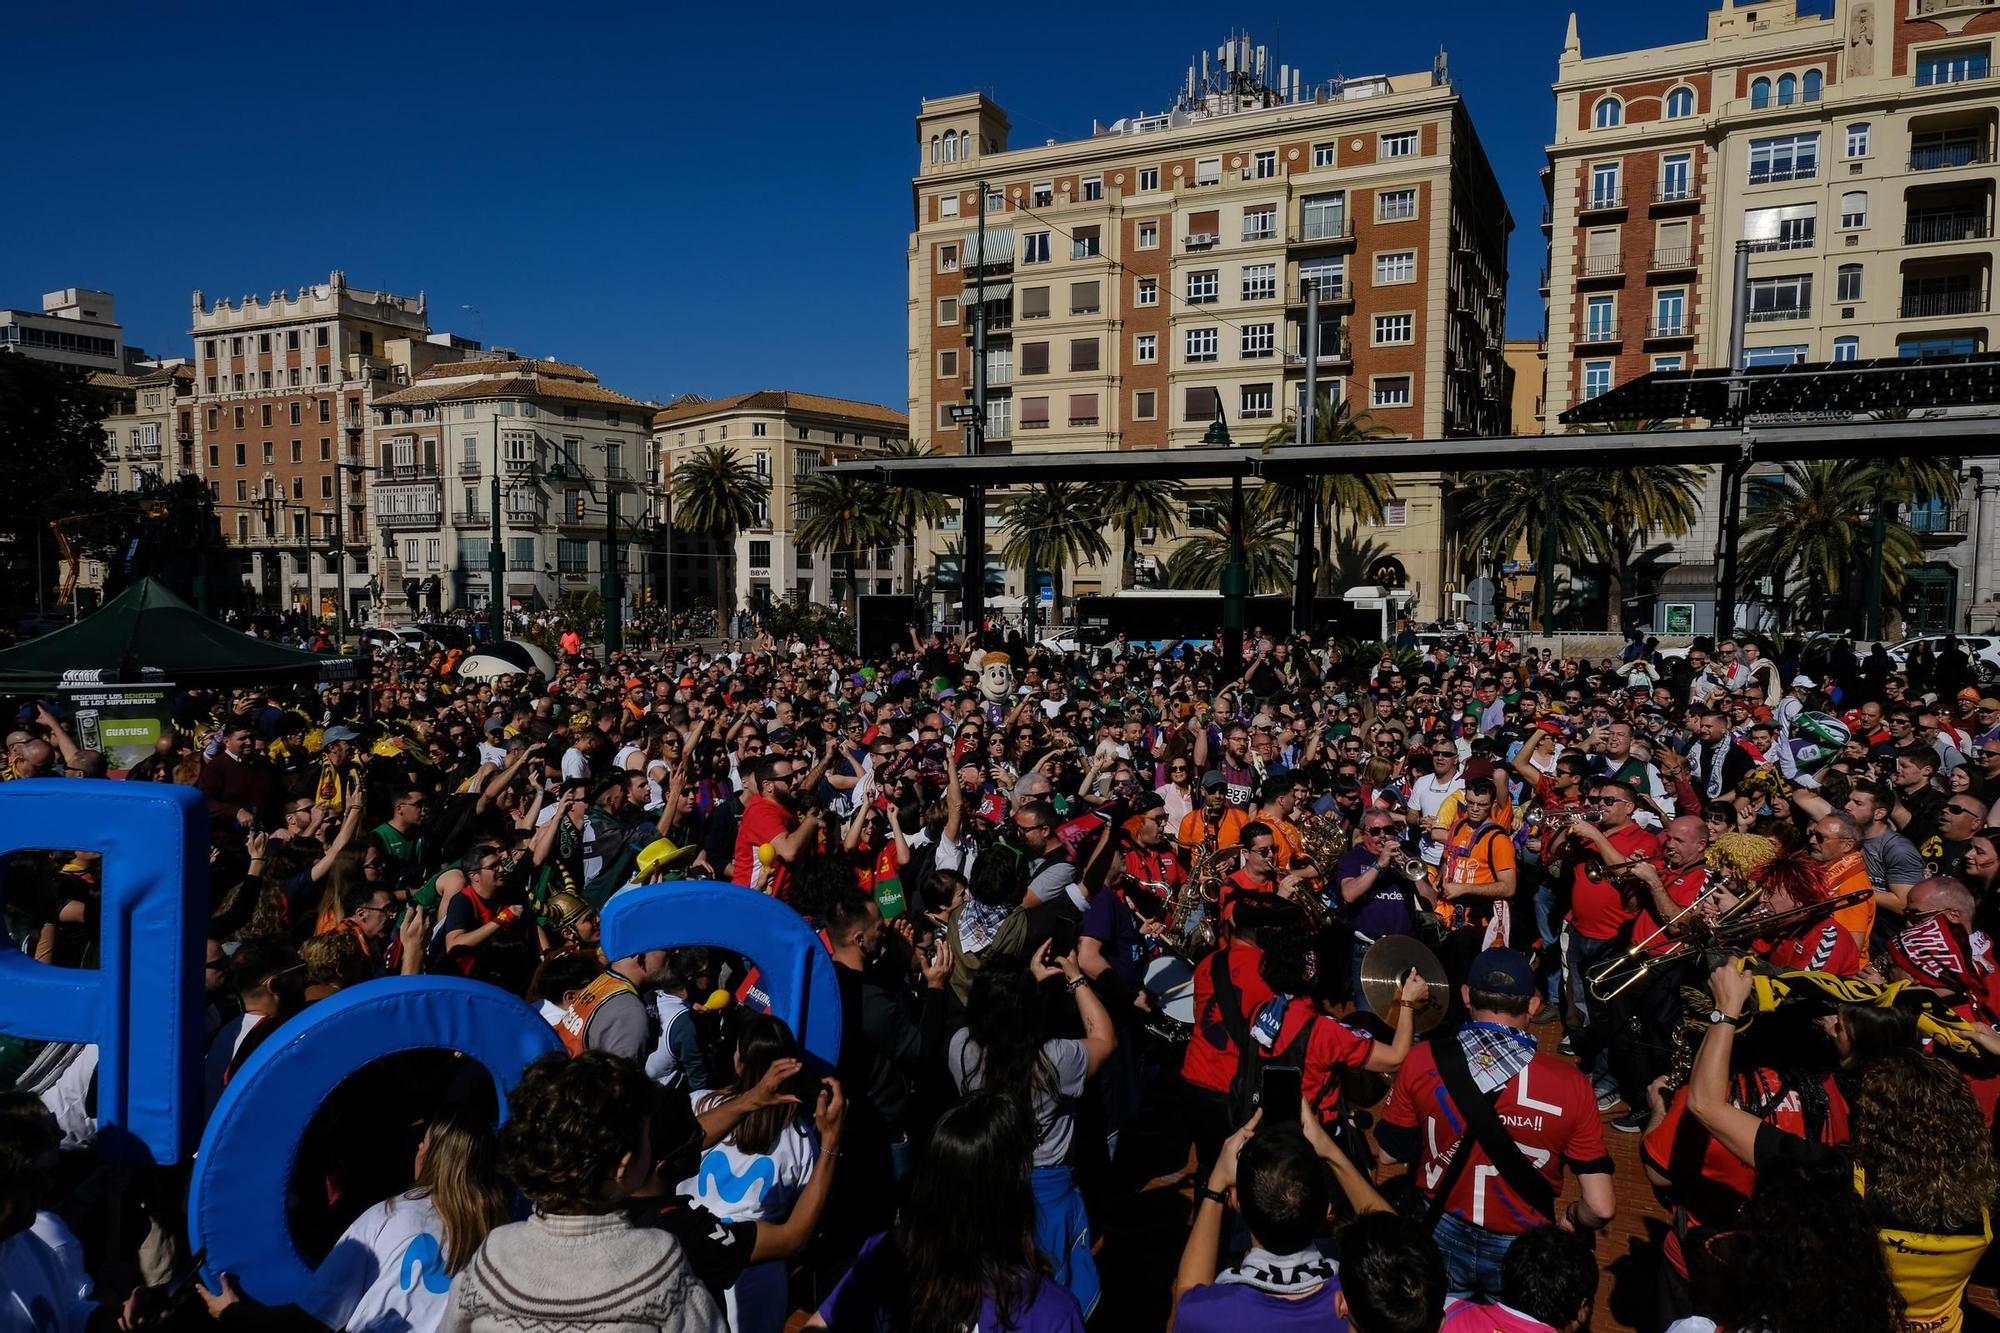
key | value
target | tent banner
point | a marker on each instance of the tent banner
(122, 721)
(338, 668)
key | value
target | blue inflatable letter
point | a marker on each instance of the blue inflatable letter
(236, 1205)
(142, 1006)
(797, 972)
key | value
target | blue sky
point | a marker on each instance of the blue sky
(712, 200)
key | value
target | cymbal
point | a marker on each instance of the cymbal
(1383, 968)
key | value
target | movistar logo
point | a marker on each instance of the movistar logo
(425, 1259)
(718, 1176)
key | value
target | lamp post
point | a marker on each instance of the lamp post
(1236, 573)
(496, 562)
(340, 551)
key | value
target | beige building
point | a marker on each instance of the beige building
(1141, 279)
(148, 437)
(1852, 155)
(783, 436)
(76, 326)
(561, 444)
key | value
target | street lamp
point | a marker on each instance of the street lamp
(610, 587)
(1236, 573)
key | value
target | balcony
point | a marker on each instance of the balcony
(1334, 349)
(1678, 327)
(1939, 524)
(1945, 156)
(1675, 193)
(354, 425)
(1597, 335)
(1330, 289)
(1601, 266)
(409, 471)
(417, 520)
(468, 467)
(472, 518)
(1945, 228)
(1672, 261)
(1778, 314)
(1602, 201)
(1322, 231)
(1936, 305)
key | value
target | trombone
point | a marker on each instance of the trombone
(1617, 975)
(1738, 923)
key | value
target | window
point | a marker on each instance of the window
(215, 455)
(1085, 244)
(1323, 216)
(1034, 303)
(1785, 157)
(1788, 90)
(265, 413)
(1149, 179)
(1680, 103)
(1395, 513)
(1395, 205)
(947, 370)
(1208, 171)
(1676, 177)
(1256, 402)
(1811, 85)
(1034, 358)
(1395, 266)
(1670, 312)
(298, 451)
(1608, 114)
(1853, 210)
(1260, 282)
(1671, 361)
(1035, 247)
(1403, 143)
(1955, 66)
(1329, 275)
(760, 553)
(1146, 405)
(1596, 378)
(1857, 139)
(1147, 235)
(242, 456)
(1259, 341)
(1042, 194)
(1264, 165)
(1083, 354)
(1600, 319)
(1389, 391)
(1793, 227)
(1034, 414)
(948, 206)
(242, 489)
(325, 448)
(1760, 94)
(1260, 224)
(1393, 329)
(1789, 354)
(759, 429)
(1606, 184)
(1847, 348)
(1083, 409)
(1146, 348)
(1323, 155)
(947, 310)
(1084, 298)
(1203, 288)
(1201, 344)
(1847, 283)
(1093, 187)
(1788, 297)
(1146, 292)
(326, 410)
(947, 258)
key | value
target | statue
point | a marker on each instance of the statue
(1861, 41)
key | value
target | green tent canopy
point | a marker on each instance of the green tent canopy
(146, 635)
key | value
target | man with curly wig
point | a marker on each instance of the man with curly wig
(576, 1144)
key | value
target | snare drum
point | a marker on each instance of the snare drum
(1170, 981)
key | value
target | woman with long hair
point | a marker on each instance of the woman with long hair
(962, 1253)
(1923, 1161)
(390, 1271)
(758, 1170)
(1005, 1048)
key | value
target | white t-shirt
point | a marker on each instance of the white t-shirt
(1427, 796)
(739, 1187)
(1055, 1110)
(68, 1250)
(386, 1273)
(36, 1291)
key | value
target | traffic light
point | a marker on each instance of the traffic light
(579, 506)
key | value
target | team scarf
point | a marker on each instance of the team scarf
(1298, 1274)
(1938, 952)
(1715, 764)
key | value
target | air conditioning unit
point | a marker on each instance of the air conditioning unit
(1201, 240)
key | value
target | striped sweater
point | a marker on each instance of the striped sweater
(556, 1274)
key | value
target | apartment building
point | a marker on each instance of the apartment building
(784, 436)
(1142, 280)
(562, 446)
(284, 385)
(1851, 154)
(76, 327)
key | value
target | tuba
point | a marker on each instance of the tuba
(1192, 917)
(1322, 840)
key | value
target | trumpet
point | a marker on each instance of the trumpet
(1738, 924)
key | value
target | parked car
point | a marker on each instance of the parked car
(1983, 650)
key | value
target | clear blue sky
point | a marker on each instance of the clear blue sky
(679, 197)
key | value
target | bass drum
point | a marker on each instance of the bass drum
(1170, 981)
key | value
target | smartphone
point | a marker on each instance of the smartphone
(182, 1283)
(1280, 1095)
(1062, 940)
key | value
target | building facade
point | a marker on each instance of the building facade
(560, 445)
(148, 437)
(1851, 155)
(784, 436)
(75, 327)
(1143, 280)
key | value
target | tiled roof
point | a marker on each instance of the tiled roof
(506, 365)
(784, 400)
(507, 386)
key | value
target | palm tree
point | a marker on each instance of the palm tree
(1135, 504)
(716, 496)
(1809, 524)
(1353, 561)
(1496, 510)
(908, 508)
(839, 514)
(1267, 552)
(1053, 525)
(1359, 497)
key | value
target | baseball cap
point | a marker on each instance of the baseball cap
(1213, 782)
(1804, 680)
(1502, 972)
(340, 734)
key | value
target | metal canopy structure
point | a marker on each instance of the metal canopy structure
(1832, 388)
(1927, 437)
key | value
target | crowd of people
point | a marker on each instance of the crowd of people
(1106, 925)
